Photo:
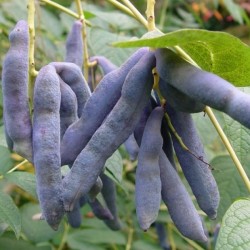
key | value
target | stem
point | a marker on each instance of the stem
(228, 147)
(130, 238)
(121, 7)
(170, 236)
(64, 236)
(17, 166)
(84, 38)
(63, 9)
(150, 14)
(136, 13)
(32, 71)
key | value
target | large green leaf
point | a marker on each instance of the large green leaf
(235, 227)
(9, 213)
(229, 182)
(217, 52)
(24, 180)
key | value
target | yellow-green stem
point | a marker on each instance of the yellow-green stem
(150, 14)
(64, 236)
(32, 71)
(170, 236)
(136, 13)
(130, 238)
(121, 7)
(228, 147)
(17, 166)
(63, 9)
(84, 38)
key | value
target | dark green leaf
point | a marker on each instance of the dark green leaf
(9, 213)
(6, 163)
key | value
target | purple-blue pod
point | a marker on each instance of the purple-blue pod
(72, 75)
(95, 189)
(105, 65)
(131, 147)
(74, 45)
(16, 110)
(46, 144)
(178, 100)
(119, 124)
(99, 210)
(202, 86)
(75, 216)
(180, 206)
(98, 106)
(109, 196)
(162, 236)
(196, 171)
(68, 107)
(147, 179)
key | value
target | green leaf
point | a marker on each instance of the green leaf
(217, 52)
(235, 227)
(235, 10)
(100, 41)
(96, 236)
(114, 165)
(24, 180)
(6, 163)
(9, 213)
(35, 230)
(79, 244)
(140, 244)
(229, 182)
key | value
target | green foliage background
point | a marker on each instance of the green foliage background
(18, 200)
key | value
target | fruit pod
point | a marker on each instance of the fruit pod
(99, 211)
(109, 196)
(98, 106)
(105, 65)
(96, 189)
(117, 127)
(46, 144)
(131, 147)
(147, 179)
(162, 236)
(72, 75)
(179, 203)
(196, 171)
(75, 216)
(203, 86)
(178, 100)
(74, 45)
(15, 91)
(68, 107)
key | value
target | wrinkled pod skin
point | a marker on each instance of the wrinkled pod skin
(72, 75)
(99, 210)
(46, 145)
(178, 201)
(119, 124)
(203, 86)
(131, 147)
(109, 196)
(178, 100)
(74, 45)
(147, 179)
(162, 236)
(197, 173)
(98, 106)
(68, 107)
(180, 206)
(105, 65)
(16, 111)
